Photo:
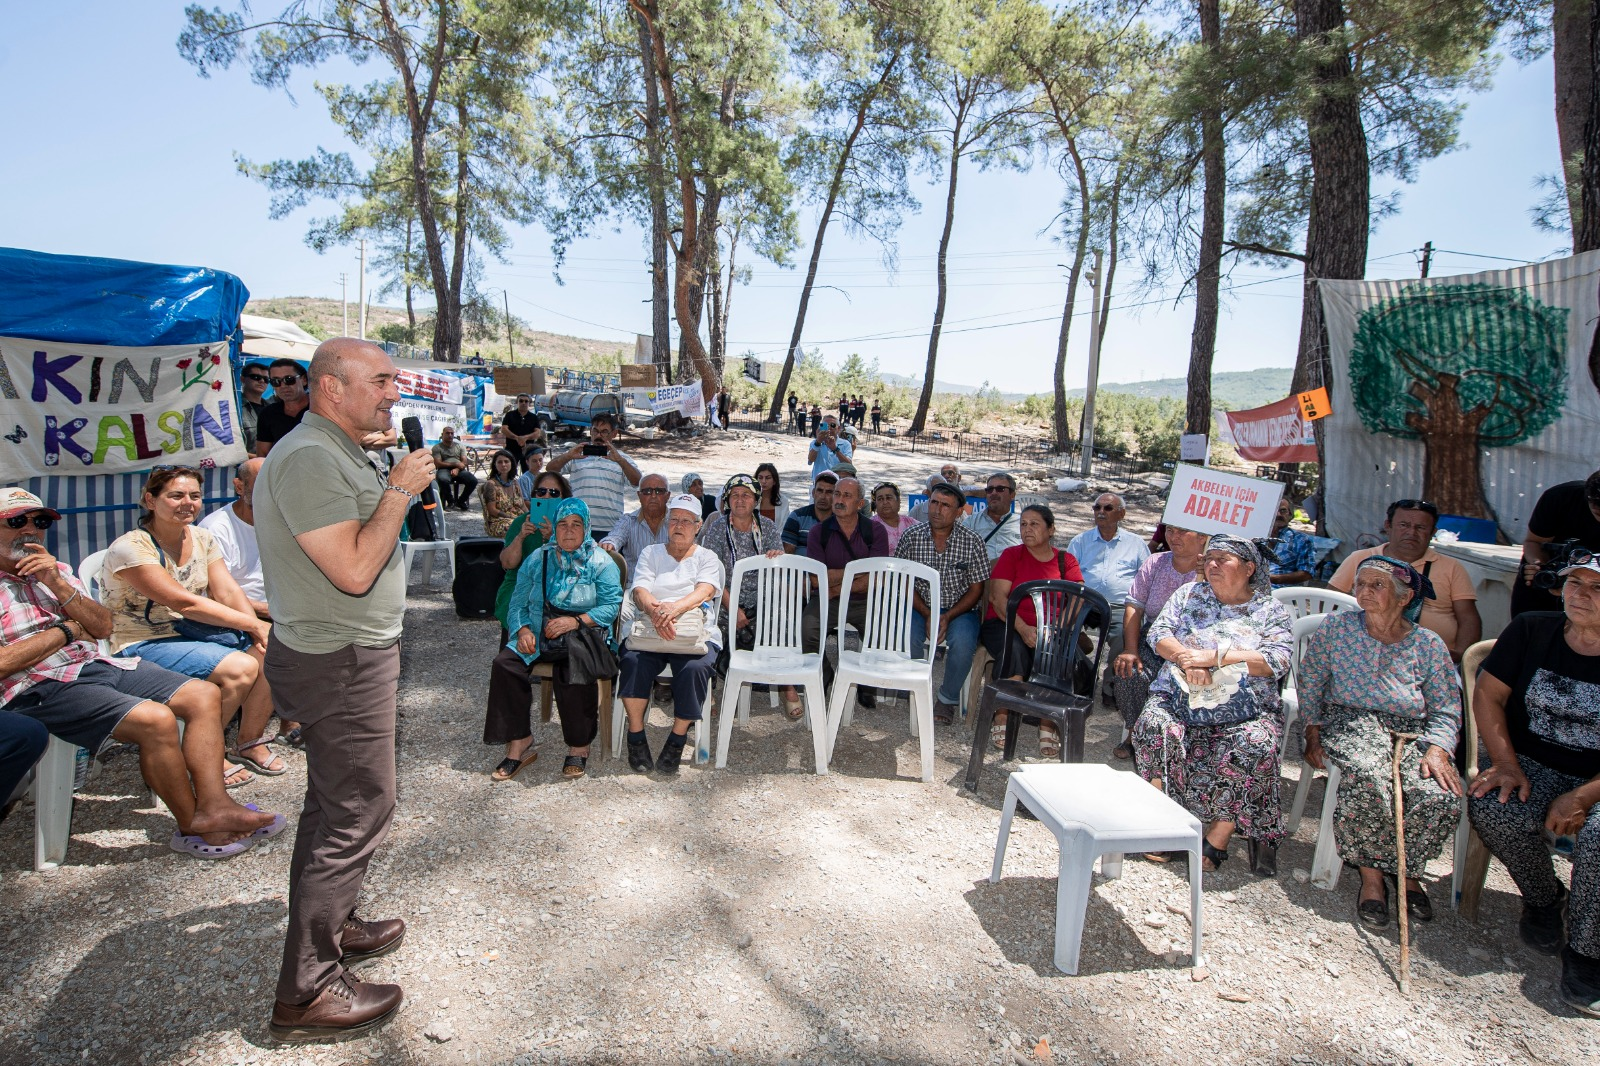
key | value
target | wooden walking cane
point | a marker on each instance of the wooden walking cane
(1400, 741)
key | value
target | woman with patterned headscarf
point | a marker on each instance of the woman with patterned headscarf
(737, 532)
(695, 485)
(1366, 676)
(567, 591)
(1212, 728)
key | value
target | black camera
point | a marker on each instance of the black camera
(1558, 555)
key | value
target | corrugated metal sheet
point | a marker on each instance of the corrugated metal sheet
(1365, 471)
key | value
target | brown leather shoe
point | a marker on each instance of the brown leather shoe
(346, 1007)
(361, 941)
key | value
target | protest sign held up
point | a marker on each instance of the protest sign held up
(1208, 501)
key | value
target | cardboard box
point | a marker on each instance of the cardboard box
(511, 380)
(639, 375)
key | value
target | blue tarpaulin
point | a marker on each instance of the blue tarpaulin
(85, 300)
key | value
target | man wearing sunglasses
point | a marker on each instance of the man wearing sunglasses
(648, 525)
(827, 450)
(1453, 610)
(997, 523)
(53, 672)
(1110, 557)
(291, 402)
(252, 387)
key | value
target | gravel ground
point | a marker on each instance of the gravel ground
(756, 914)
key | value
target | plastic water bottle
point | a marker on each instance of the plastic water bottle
(80, 769)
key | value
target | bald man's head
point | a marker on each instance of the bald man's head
(333, 358)
(244, 483)
(353, 385)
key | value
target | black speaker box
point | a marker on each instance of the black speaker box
(478, 576)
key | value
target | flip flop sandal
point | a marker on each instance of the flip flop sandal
(263, 768)
(796, 709)
(574, 766)
(510, 767)
(1374, 912)
(231, 780)
(268, 831)
(196, 847)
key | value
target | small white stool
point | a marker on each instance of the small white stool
(1094, 811)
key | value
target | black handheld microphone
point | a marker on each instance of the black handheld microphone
(411, 430)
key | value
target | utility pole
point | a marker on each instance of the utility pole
(344, 304)
(1094, 366)
(1427, 257)
(361, 290)
(511, 348)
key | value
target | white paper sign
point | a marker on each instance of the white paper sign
(94, 409)
(685, 400)
(1208, 501)
(433, 416)
(1192, 448)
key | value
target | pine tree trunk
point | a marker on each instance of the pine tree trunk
(1336, 233)
(920, 420)
(655, 177)
(1572, 56)
(1208, 277)
(1080, 251)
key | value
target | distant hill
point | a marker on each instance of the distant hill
(1238, 390)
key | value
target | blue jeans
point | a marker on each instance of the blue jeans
(961, 640)
(22, 742)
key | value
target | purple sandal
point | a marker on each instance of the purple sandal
(268, 831)
(196, 847)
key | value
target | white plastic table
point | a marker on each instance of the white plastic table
(1095, 811)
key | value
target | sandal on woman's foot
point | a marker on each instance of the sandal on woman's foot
(1418, 905)
(574, 766)
(236, 777)
(998, 732)
(1374, 912)
(795, 707)
(1123, 751)
(293, 738)
(196, 847)
(274, 766)
(510, 767)
(1049, 744)
(1216, 856)
(1263, 859)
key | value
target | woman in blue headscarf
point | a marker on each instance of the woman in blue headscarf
(1367, 677)
(566, 597)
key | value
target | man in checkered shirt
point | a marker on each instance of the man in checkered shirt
(53, 672)
(958, 554)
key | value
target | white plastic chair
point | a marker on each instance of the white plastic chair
(887, 658)
(429, 549)
(1303, 628)
(1302, 601)
(783, 589)
(1471, 854)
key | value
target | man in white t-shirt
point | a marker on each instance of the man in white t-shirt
(234, 528)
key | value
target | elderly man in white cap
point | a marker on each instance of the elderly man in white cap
(52, 671)
(675, 592)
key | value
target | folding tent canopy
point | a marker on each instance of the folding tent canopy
(108, 367)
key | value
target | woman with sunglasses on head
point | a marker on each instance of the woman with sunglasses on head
(174, 603)
(502, 500)
(1366, 677)
(770, 503)
(886, 513)
(523, 538)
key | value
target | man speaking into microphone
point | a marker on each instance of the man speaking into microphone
(328, 522)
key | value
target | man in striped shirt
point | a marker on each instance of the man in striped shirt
(600, 478)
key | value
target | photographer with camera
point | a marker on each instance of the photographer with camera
(1567, 517)
(600, 473)
(1453, 611)
(827, 449)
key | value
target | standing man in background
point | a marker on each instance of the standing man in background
(252, 387)
(827, 450)
(599, 473)
(328, 522)
(287, 408)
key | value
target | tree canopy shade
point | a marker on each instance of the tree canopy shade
(1460, 368)
(456, 123)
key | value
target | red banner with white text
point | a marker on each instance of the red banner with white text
(1276, 433)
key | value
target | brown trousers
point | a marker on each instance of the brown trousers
(345, 704)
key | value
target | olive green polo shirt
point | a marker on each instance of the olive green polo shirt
(315, 477)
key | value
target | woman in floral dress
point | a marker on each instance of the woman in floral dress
(1366, 676)
(1212, 728)
(1159, 577)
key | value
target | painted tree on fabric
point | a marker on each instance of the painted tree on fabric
(1459, 368)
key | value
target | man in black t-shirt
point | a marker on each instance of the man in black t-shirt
(522, 430)
(289, 406)
(1569, 511)
(1537, 705)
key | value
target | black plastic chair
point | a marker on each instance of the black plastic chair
(1052, 690)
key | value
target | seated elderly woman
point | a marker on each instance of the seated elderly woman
(174, 603)
(1159, 576)
(1211, 731)
(695, 486)
(734, 533)
(1367, 677)
(1537, 705)
(671, 580)
(567, 595)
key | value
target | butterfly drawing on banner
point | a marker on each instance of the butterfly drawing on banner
(18, 436)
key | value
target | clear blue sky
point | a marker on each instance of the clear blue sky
(117, 148)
